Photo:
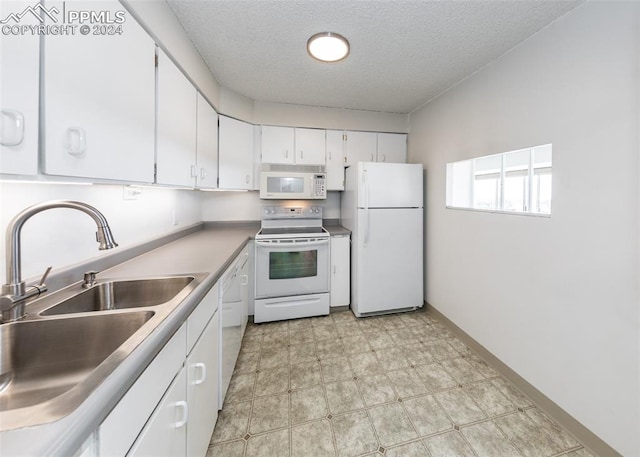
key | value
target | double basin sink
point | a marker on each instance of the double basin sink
(72, 340)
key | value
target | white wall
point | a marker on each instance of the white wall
(555, 298)
(247, 206)
(63, 237)
(328, 118)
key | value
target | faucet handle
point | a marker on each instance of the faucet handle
(89, 279)
(44, 276)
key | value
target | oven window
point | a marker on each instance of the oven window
(285, 185)
(295, 264)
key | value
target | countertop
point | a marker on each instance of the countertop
(208, 250)
(335, 229)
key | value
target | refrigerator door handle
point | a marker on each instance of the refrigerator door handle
(365, 194)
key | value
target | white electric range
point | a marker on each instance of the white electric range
(292, 264)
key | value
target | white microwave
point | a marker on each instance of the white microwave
(292, 185)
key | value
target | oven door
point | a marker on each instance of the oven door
(294, 266)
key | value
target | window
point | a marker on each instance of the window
(512, 182)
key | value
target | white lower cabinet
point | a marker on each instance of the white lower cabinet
(121, 428)
(172, 407)
(202, 389)
(340, 270)
(166, 432)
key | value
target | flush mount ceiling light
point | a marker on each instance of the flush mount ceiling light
(328, 47)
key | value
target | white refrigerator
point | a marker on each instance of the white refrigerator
(382, 205)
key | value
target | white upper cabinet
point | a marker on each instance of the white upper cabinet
(310, 146)
(360, 147)
(177, 111)
(392, 147)
(335, 160)
(207, 145)
(293, 145)
(235, 154)
(277, 144)
(375, 147)
(99, 99)
(19, 69)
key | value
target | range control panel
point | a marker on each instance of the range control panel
(292, 212)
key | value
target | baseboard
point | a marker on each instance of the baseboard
(589, 439)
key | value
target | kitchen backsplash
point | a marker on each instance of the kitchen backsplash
(61, 237)
(246, 206)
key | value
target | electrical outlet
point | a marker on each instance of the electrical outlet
(131, 192)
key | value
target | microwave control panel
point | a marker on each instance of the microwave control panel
(320, 186)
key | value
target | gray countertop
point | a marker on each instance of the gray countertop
(208, 250)
(334, 228)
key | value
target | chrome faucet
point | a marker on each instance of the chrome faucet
(15, 292)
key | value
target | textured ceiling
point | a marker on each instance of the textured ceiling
(403, 52)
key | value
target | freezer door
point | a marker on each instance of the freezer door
(388, 270)
(390, 185)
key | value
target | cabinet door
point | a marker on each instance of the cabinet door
(124, 423)
(19, 73)
(277, 144)
(235, 154)
(335, 160)
(360, 147)
(310, 146)
(166, 432)
(202, 389)
(177, 111)
(207, 145)
(340, 270)
(99, 99)
(392, 147)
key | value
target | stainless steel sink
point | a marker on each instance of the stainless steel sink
(122, 295)
(42, 359)
(70, 341)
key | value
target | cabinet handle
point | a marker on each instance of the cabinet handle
(194, 171)
(371, 158)
(246, 179)
(384, 158)
(76, 141)
(301, 154)
(334, 269)
(244, 280)
(329, 155)
(185, 413)
(203, 173)
(203, 372)
(286, 153)
(16, 119)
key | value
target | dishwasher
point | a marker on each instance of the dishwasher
(233, 319)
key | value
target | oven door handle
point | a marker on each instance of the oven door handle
(288, 245)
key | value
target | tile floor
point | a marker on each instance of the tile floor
(399, 385)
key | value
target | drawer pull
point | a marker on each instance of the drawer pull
(203, 373)
(185, 414)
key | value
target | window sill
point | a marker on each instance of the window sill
(498, 211)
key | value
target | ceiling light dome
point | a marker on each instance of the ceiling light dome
(328, 47)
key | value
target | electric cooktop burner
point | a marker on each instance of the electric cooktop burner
(292, 230)
(280, 222)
